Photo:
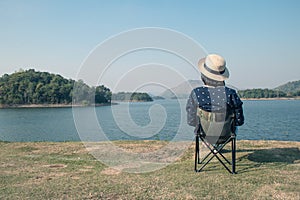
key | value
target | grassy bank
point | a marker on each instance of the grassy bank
(266, 170)
(276, 98)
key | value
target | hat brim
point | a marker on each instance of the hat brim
(217, 77)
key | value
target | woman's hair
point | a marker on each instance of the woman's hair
(211, 82)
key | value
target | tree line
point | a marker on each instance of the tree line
(266, 93)
(33, 87)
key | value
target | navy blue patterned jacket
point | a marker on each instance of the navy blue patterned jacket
(214, 99)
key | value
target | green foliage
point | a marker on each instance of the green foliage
(102, 94)
(296, 93)
(136, 96)
(290, 87)
(31, 87)
(129, 96)
(261, 93)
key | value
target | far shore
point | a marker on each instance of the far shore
(54, 105)
(276, 98)
(116, 102)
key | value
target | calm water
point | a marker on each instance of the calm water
(267, 120)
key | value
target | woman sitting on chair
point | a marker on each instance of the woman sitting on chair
(214, 96)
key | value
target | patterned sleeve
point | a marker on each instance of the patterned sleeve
(191, 109)
(238, 109)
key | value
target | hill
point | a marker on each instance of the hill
(182, 90)
(33, 87)
(290, 87)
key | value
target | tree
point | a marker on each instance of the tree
(102, 94)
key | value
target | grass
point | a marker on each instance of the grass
(43, 170)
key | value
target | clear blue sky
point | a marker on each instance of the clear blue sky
(260, 39)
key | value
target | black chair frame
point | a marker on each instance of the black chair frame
(215, 151)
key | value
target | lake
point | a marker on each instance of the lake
(161, 119)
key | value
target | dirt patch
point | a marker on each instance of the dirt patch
(89, 167)
(85, 170)
(110, 171)
(56, 166)
(140, 148)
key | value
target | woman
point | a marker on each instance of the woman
(214, 96)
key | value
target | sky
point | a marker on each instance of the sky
(260, 39)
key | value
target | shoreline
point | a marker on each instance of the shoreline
(54, 105)
(147, 141)
(117, 102)
(276, 98)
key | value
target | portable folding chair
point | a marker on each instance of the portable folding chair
(215, 131)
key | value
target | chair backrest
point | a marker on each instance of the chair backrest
(216, 127)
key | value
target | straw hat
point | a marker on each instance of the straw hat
(213, 66)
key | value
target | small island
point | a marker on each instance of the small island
(131, 97)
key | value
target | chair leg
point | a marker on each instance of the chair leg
(223, 163)
(233, 150)
(197, 153)
(214, 151)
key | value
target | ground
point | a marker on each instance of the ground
(66, 170)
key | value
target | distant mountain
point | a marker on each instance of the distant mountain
(290, 87)
(183, 90)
